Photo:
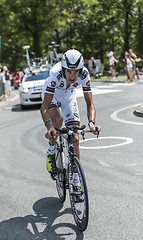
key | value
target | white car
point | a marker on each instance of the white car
(31, 87)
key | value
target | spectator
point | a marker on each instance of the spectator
(125, 61)
(112, 62)
(3, 83)
(130, 67)
(8, 83)
(93, 67)
(134, 57)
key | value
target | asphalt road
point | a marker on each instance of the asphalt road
(113, 164)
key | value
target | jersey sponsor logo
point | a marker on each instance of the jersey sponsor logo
(83, 74)
(86, 89)
(60, 75)
(88, 83)
(75, 84)
(76, 115)
(53, 83)
(62, 84)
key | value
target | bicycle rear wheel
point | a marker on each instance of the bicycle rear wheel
(60, 182)
(80, 209)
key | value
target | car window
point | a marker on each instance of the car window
(36, 76)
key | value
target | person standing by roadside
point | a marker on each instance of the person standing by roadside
(133, 56)
(3, 83)
(125, 61)
(93, 67)
(112, 62)
(8, 83)
(130, 67)
(136, 59)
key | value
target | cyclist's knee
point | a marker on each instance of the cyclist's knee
(57, 122)
(76, 147)
(76, 139)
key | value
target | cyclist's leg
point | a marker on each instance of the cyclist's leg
(71, 117)
(57, 120)
(76, 144)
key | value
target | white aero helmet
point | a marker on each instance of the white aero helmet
(73, 60)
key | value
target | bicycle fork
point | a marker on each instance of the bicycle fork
(70, 176)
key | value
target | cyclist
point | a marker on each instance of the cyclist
(59, 91)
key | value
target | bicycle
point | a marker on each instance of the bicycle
(64, 179)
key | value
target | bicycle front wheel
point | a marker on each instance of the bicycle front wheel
(79, 200)
(60, 182)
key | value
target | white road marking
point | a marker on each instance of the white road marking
(95, 91)
(105, 86)
(127, 141)
(130, 164)
(115, 152)
(112, 85)
(123, 84)
(11, 107)
(14, 98)
(106, 165)
(139, 174)
(115, 117)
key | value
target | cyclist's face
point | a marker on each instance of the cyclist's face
(71, 75)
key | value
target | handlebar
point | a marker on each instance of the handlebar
(73, 130)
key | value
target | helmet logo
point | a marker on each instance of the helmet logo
(70, 65)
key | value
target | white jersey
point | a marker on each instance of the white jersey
(129, 64)
(111, 61)
(56, 82)
(63, 96)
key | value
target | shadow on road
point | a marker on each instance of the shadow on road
(17, 108)
(40, 225)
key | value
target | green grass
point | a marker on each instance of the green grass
(107, 78)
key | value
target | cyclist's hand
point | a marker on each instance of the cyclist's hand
(50, 134)
(95, 129)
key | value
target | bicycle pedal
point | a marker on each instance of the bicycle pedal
(79, 199)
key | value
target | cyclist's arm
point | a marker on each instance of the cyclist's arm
(45, 112)
(91, 111)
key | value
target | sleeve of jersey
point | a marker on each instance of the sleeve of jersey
(86, 84)
(50, 87)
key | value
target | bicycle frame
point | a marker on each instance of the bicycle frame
(78, 198)
(70, 150)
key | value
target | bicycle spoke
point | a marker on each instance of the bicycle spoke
(60, 182)
(79, 199)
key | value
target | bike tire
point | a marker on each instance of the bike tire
(80, 210)
(60, 182)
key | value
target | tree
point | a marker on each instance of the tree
(94, 27)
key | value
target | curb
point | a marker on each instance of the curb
(9, 99)
(139, 111)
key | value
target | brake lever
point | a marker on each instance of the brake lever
(97, 131)
(52, 134)
(83, 135)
